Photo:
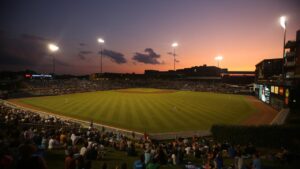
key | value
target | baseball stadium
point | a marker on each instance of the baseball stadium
(150, 84)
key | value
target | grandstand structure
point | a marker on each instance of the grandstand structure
(198, 78)
(277, 80)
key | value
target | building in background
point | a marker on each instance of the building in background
(269, 81)
(268, 69)
(203, 72)
(238, 77)
(292, 69)
(292, 61)
(277, 81)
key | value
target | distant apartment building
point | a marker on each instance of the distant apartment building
(196, 71)
(202, 71)
(209, 73)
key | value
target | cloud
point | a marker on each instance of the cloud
(82, 54)
(114, 56)
(82, 44)
(34, 38)
(10, 59)
(150, 57)
(24, 50)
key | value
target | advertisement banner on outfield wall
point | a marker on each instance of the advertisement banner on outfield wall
(260, 91)
(276, 89)
(287, 94)
(264, 93)
(276, 96)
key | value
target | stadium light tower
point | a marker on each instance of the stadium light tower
(282, 21)
(53, 48)
(101, 42)
(174, 45)
(219, 59)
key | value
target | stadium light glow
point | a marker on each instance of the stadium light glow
(219, 58)
(174, 45)
(282, 21)
(52, 47)
(100, 40)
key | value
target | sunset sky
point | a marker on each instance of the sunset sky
(138, 33)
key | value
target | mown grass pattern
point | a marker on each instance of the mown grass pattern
(147, 111)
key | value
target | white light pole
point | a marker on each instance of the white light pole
(53, 48)
(282, 21)
(219, 59)
(101, 42)
(174, 45)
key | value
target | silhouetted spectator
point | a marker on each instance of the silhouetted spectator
(27, 160)
(104, 166)
(139, 164)
(124, 166)
(256, 163)
(69, 160)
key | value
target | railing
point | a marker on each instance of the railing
(290, 63)
(289, 75)
(290, 54)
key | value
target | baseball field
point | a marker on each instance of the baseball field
(149, 110)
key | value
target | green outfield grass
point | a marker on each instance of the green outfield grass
(150, 110)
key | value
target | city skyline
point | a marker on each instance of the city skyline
(139, 35)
